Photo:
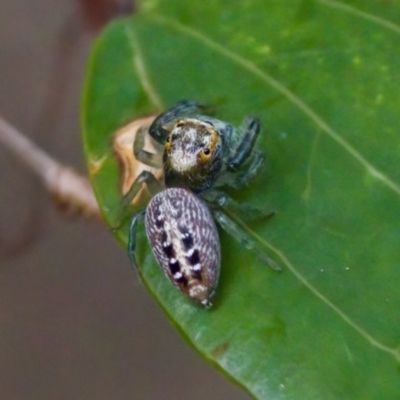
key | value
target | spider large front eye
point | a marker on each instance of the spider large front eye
(205, 154)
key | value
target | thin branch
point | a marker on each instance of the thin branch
(72, 191)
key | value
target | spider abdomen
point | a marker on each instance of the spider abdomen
(185, 242)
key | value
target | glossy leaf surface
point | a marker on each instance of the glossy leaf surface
(323, 76)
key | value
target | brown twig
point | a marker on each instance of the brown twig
(71, 190)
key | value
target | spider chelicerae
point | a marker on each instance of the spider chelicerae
(200, 156)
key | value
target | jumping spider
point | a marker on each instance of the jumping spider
(201, 154)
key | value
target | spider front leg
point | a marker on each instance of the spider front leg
(146, 157)
(159, 128)
(246, 145)
(246, 177)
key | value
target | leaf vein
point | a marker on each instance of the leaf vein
(141, 71)
(369, 17)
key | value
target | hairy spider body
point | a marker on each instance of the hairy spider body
(184, 240)
(200, 154)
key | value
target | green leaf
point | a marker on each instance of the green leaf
(323, 76)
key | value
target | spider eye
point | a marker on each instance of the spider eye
(205, 154)
(168, 139)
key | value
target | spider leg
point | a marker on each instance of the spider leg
(158, 130)
(150, 159)
(255, 166)
(147, 177)
(220, 200)
(153, 185)
(132, 241)
(243, 237)
(246, 145)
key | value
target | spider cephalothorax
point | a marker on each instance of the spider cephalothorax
(200, 155)
(193, 154)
